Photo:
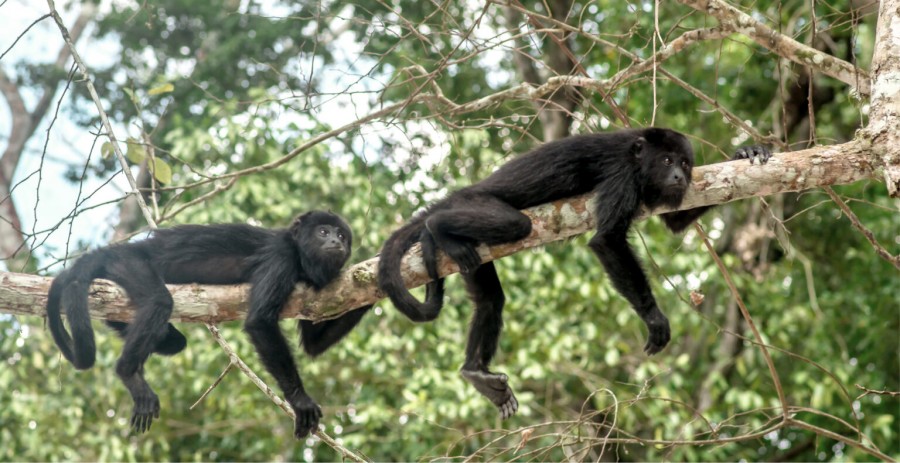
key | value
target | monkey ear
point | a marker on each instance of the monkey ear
(637, 147)
(297, 224)
(300, 218)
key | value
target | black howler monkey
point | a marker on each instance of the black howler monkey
(625, 169)
(312, 251)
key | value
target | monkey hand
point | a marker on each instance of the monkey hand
(494, 386)
(146, 408)
(307, 414)
(658, 326)
(753, 152)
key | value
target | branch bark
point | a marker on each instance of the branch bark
(713, 184)
(884, 114)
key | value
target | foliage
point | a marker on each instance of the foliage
(259, 87)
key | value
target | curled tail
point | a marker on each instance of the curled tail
(70, 289)
(390, 280)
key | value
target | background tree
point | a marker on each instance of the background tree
(252, 112)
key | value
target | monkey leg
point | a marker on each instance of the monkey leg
(476, 219)
(146, 289)
(487, 294)
(629, 279)
(173, 343)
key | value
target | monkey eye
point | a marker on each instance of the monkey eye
(340, 235)
(667, 160)
(684, 165)
(323, 231)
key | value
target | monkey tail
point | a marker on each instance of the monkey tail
(70, 289)
(390, 279)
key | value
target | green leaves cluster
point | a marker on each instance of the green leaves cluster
(571, 345)
(137, 154)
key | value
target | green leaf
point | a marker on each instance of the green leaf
(130, 94)
(161, 171)
(106, 150)
(136, 152)
(159, 90)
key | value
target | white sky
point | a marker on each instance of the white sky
(67, 143)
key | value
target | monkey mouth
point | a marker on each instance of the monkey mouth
(673, 195)
(675, 190)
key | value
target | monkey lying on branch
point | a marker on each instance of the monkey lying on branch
(311, 251)
(625, 169)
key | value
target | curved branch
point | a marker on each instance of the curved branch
(713, 184)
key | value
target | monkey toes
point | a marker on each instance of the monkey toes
(146, 408)
(495, 387)
(758, 152)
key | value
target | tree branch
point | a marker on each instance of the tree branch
(783, 45)
(884, 114)
(713, 184)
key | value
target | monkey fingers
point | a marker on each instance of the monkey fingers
(307, 414)
(146, 408)
(758, 152)
(495, 387)
(509, 408)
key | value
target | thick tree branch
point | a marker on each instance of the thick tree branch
(884, 113)
(713, 184)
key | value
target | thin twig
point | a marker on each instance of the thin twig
(274, 397)
(747, 318)
(214, 384)
(867, 391)
(104, 120)
(847, 441)
(879, 249)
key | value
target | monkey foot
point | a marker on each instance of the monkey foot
(307, 414)
(660, 334)
(495, 387)
(753, 152)
(146, 408)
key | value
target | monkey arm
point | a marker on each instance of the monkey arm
(318, 337)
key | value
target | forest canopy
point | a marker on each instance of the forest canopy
(783, 305)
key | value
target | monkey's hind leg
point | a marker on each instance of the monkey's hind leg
(145, 287)
(479, 219)
(173, 343)
(487, 294)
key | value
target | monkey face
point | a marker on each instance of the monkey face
(331, 239)
(666, 171)
(324, 237)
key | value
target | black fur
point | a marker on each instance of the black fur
(625, 169)
(310, 251)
